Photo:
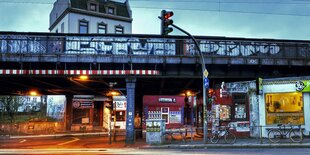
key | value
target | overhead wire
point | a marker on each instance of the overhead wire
(198, 9)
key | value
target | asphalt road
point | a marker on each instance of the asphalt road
(98, 144)
(69, 142)
(131, 151)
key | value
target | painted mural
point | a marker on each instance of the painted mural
(56, 106)
(144, 46)
(30, 108)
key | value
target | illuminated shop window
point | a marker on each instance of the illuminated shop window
(284, 108)
(225, 112)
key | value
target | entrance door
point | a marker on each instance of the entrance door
(98, 107)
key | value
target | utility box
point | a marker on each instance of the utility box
(155, 131)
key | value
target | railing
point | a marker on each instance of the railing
(65, 44)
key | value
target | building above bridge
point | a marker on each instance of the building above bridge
(91, 16)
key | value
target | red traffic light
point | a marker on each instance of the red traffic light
(166, 22)
(168, 14)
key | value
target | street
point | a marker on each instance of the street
(101, 151)
(99, 144)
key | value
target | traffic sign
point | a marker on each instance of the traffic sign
(206, 82)
(205, 73)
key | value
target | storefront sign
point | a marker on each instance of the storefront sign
(120, 102)
(167, 100)
(303, 86)
(80, 104)
(120, 105)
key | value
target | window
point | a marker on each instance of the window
(120, 115)
(111, 10)
(119, 30)
(83, 27)
(240, 106)
(165, 114)
(102, 28)
(92, 7)
(284, 108)
(62, 27)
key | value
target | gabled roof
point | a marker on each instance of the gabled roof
(121, 8)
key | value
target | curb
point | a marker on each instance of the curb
(227, 146)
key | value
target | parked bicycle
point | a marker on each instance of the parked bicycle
(276, 134)
(225, 133)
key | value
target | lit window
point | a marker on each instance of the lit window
(119, 30)
(284, 108)
(111, 10)
(102, 28)
(83, 27)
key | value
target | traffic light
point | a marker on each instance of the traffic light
(165, 22)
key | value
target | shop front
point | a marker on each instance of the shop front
(285, 101)
(231, 107)
(88, 113)
(177, 111)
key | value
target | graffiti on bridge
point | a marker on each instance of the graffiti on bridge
(137, 46)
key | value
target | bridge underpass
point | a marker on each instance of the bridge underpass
(26, 59)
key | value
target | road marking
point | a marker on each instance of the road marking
(71, 141)
(22, 141)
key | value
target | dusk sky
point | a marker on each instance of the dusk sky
(276, 19)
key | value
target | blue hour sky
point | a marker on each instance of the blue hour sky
(276, 19)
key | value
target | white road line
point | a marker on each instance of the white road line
(22, 141)
(71, 141)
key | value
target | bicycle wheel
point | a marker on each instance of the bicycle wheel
(230, 138)
(295, 137)
(274, 135)
(215, 138)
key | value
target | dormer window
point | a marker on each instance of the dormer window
(92, 7)
(111, 10)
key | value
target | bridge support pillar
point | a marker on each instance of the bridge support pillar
(68, 112)
(130, 128)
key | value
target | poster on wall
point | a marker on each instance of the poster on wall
(119, 102)
(56, 106)
(175, 117)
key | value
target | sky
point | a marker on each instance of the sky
(273, 19)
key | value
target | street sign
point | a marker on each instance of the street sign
(206, 82)
(205, 73)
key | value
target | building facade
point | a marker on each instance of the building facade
(285, 101)
(91, 16)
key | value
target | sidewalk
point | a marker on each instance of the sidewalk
(240, 143)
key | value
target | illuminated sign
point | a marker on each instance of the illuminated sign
(303, 86)
(167, 100)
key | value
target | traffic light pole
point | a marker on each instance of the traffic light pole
(203, 67)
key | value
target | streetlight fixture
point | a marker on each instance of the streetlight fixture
(83, 77)
(33, 93)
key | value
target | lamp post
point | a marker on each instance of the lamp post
(205, 84)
